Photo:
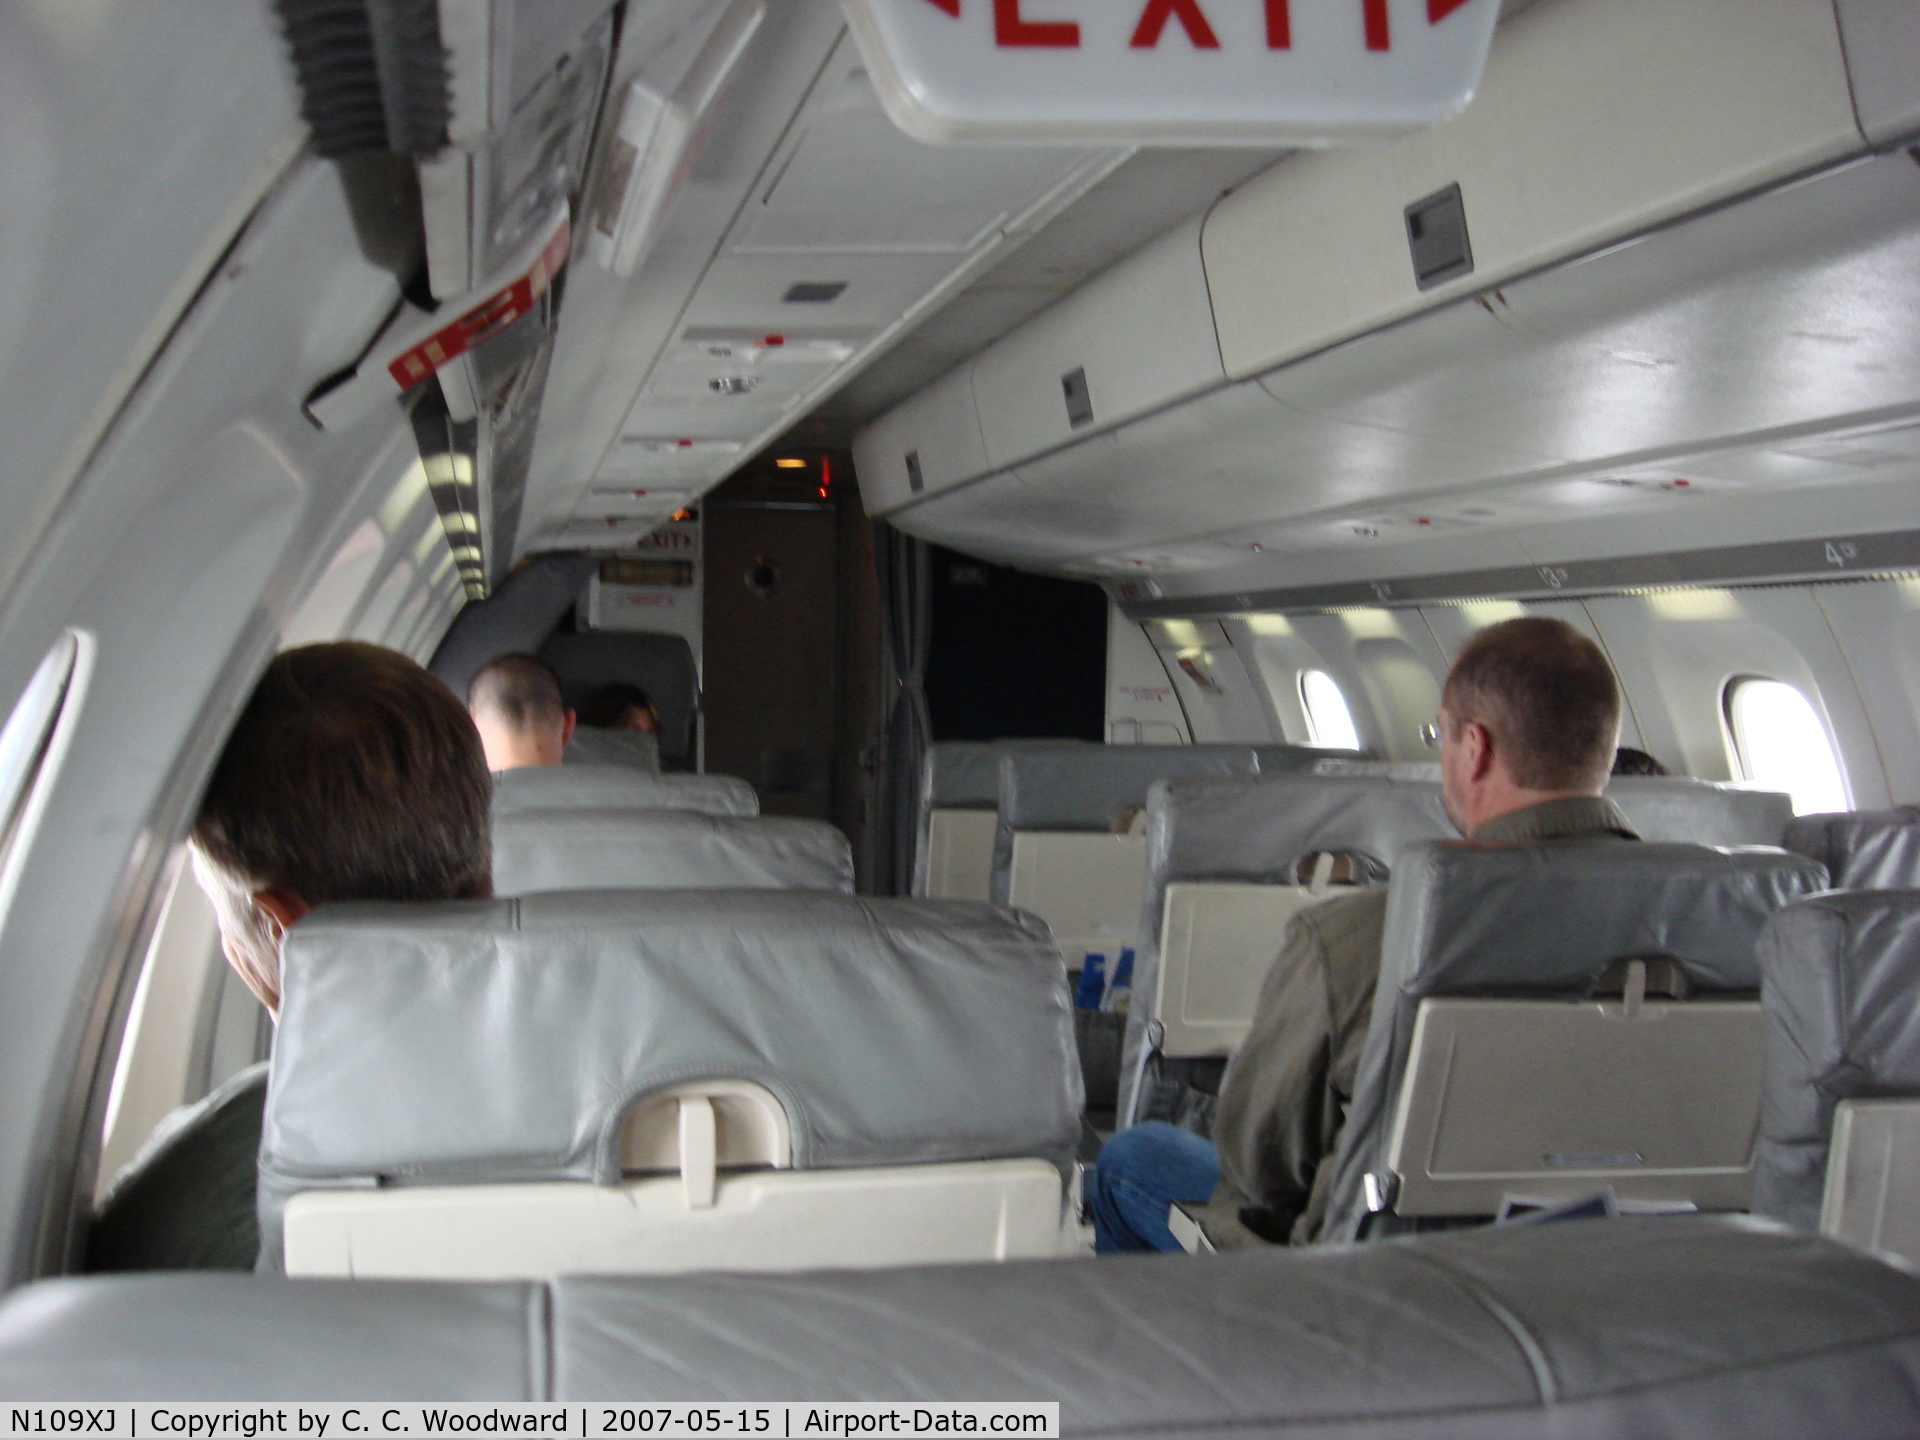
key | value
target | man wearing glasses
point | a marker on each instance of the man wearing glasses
(1529, 717)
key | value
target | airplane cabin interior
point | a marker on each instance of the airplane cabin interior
(1039, 541)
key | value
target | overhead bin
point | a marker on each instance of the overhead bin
(1133, 340)
(1137, 337)
(1594, 121)
(922, 446)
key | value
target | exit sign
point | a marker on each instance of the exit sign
(1172, 72)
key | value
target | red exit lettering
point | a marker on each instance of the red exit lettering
(1146, 35)
(1012, 29)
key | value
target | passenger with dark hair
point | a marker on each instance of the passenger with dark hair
(1629, 761)
(351, 774)
(621, 707)
(515, 701)
(1528, 720)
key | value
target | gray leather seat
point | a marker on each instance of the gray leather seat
(1842, 1001)
(1087, 787)
(508, 1041)
(1862, 849)
(1715, 1330)
(592, 745)
(1700, 812)
(1660, 807)
(1256, 830)
(602, 787)
(1545, 921)
(963, 775)
(535, 850)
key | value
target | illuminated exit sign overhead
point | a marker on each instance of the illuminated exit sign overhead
(1173, 72)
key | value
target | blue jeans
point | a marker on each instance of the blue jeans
(1140, 1173)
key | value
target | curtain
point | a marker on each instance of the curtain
(906, 612)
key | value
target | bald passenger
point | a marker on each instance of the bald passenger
(515, 703)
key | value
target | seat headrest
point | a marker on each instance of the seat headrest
(536, 850)
(1862, 849)
(1081, 788)
(1700, 812)
(607, 787)
(965, 774)
(1842, 998)
(1280, 759)
(592, 745)
(1546, 920)
(1412, 771)
(504, 1039)
(1660, 807)
(1256, 827)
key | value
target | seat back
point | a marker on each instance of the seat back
(1872, 1196)
(1057, 847)
(1675, 808)
(1862, 849)
(536, 850)
(1699, 1327)
(956, 856)
(959, 790)
(1686, 811)
(1532, 1100)
(1544, 924)
(504, 1056)
(1221, 881)
(1842, 999)
(618, 787)
(1216, 943)
(592, 745)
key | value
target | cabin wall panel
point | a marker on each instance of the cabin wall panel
(1676, 651)
(1279, 655)
(1219, 697)
(1453, 625)
(200, 524)
(1385, 663)
(1877, 627)
(1143, 707)
(136, 141)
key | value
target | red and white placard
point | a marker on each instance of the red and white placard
(1172, 72)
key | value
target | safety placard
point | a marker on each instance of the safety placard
(1172, 72)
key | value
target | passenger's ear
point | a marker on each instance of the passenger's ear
(1476, 741)
(566, 729)
(281, 909)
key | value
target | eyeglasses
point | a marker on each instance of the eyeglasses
(1430, 735)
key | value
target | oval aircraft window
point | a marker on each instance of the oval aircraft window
(30, 745)
(1779, 743)
(1329, 721)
